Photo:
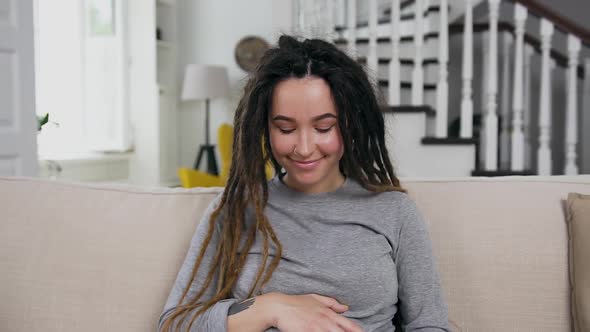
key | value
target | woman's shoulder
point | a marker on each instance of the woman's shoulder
(392, 202)
(395, 197)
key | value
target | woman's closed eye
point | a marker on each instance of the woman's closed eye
(319, 130)
(286, 131)
(324, 130)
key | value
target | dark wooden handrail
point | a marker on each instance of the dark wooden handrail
(561, 22)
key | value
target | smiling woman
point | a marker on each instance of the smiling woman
(304, 134)
(348, 249)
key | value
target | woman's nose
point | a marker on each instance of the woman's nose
(305, 145)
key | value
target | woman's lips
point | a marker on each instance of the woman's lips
(306, 165)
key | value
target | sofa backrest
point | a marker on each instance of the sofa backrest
(104, 257)
(502, 249)
(77, 257)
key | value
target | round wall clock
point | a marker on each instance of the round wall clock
(248, 52)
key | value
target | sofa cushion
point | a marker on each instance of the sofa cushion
(578, 217)
(81, 257)
(501, 246)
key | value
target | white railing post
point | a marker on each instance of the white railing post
(417, 73)
(352, 28)
(394, 65)
(491, 117)
(372, 56)
(529, 51)
(517, 139)
(442, 87)
(341, 12)
(317, 19)
(573, 47)
(467, 74)
(329, 19)
(485, 75)
(505, 102)
(544, 151)
(585, 137)
(298, 16)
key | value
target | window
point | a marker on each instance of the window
(81, 77)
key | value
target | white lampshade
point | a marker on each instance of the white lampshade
(205, 82)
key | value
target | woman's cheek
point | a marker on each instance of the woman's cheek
(281, 144)
(332, 143)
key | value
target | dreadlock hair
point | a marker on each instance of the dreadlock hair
(365, 159)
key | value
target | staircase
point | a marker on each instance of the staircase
(484, 132)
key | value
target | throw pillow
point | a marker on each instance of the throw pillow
(578, 219)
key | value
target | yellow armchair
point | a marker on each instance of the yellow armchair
(194, 178)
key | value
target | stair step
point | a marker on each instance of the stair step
(403, 5)
(409, 109)
(430, 9)
(404, 61)
(501, 173)
(385, 40)
(407, 85)
(385, 20)
(449, 141)
(412, 158)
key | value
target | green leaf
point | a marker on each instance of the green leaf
(42, 120)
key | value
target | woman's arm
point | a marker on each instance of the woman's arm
(289, 313)
(215, 318)
(251, 315)
(421, 303)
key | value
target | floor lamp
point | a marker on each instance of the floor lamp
(205, 82)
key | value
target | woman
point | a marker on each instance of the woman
(332, 242)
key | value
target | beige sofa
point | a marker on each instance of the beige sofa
(80, 257)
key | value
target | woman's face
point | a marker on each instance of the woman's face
(304, 134)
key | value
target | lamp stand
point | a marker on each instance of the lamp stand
(207, 149)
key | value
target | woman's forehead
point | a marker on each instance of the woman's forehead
(308, 97)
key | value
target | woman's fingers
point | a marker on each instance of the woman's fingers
(345, 323)
(330, 303)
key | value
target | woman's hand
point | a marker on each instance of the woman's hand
(310, 312)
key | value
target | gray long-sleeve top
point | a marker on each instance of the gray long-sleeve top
(368, 250)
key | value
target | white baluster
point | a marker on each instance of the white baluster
(317, 14)
(485, 80)
(417, 73)
(442, 87)
(491, 117)
(573, 47)
(340, 12)
(372, 56)
(517, 138)
(394, 65)
(505, 102)
(329, 19)
(544, 151)
(467, 74)
(352, 28)
(585, 137)
(298, 16)
(529, 51)
(485, 63)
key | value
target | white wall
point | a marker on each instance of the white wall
(208, 32)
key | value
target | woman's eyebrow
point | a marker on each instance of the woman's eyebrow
(317, 118)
